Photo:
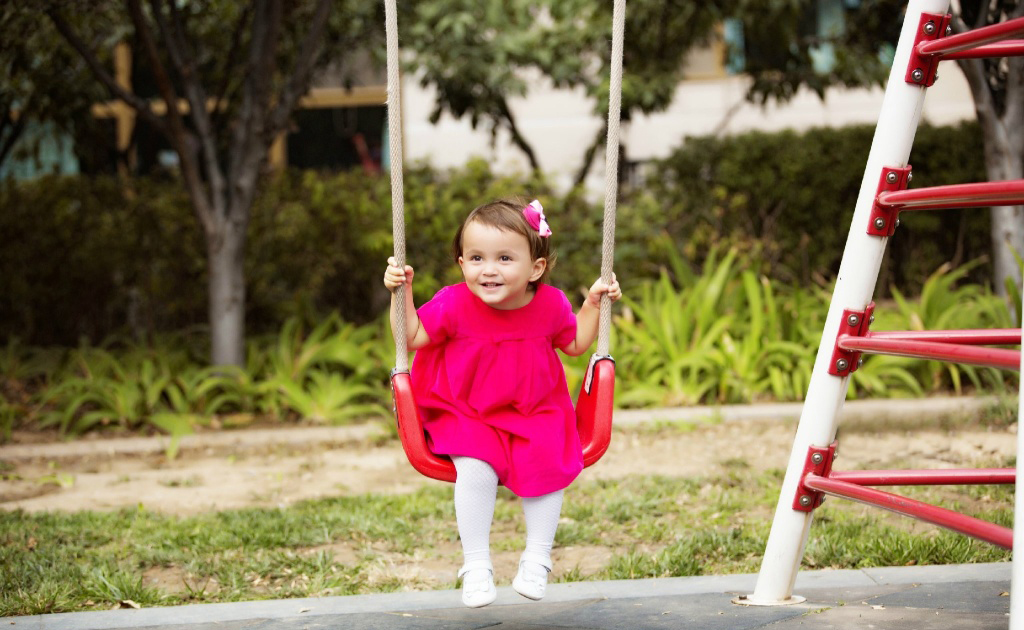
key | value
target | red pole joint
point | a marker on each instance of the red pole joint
(921, 69)
(854, 324)
(819, 462)
(884, 217)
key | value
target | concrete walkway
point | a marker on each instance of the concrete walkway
(960, 597)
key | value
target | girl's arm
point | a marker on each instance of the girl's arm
(395, 277)
(588, 318)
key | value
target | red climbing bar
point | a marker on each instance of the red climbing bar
(977, 528)
(1004, 193)
(1008, 48)
(993, 336)
(940, 477)
(972, 39)
(970, 355)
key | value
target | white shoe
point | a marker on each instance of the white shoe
(478, 585)
(531, 580)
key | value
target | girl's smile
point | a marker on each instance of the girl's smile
(497, 267)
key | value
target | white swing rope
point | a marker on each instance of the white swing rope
(611, 171)
(397, 183)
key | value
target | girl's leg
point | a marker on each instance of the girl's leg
(541, 523)
(476, 487)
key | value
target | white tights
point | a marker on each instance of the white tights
(476, 488)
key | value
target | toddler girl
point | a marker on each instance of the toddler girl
(490, 388)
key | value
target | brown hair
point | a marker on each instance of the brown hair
(507, 216)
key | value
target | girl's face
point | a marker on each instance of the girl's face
(497, 266)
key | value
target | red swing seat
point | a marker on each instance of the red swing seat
(593, 419)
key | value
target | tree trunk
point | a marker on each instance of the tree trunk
(1007, 224)
(999, 104)
(1004, 160)
(225, 256)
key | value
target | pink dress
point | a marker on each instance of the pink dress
(490, 386)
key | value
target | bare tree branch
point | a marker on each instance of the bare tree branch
(517, 136)
(175, 132)
(185, 65)
(255, 91)
(298, 84)
(220, 94)
(10, 131)
(117, 91)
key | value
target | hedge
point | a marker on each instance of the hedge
(94, 257)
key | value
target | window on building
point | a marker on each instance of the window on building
(338, 138)
(825, 21)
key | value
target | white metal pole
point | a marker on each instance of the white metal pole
(1017, 570)
(855, 285)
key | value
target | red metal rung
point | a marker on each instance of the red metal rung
(855, 324)
(1008, 192)
(934, 477)
(921, 68)
(974, 39)
(995, 336)
(883, 217)
(956, 353)
(819, 462)
(975, 527)
(1009, 48)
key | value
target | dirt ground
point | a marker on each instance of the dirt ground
(277, 467)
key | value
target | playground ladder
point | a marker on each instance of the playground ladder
(924, 41)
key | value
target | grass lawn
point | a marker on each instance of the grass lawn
(641, 526)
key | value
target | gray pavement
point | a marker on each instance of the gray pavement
(961, 597)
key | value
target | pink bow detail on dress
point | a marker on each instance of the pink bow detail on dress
(534, 214)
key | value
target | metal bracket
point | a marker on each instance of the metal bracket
(921, 68)
(883, 220)
(819, 461)
(588, 379)
(855, 323)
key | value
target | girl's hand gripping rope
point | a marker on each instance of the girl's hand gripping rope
(599, 288)
(395, 276)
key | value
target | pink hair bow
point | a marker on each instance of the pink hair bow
(534, 213)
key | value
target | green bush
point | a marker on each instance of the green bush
(86, 258)
(92, 257)
(788, 198)
(721, 334)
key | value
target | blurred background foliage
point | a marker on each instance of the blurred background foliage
(727, 253)
(91, 257)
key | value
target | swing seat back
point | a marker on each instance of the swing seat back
(594, 408)
(593, 420)
(410, 431)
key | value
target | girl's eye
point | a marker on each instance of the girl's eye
(506, 258)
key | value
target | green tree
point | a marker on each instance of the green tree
(39, 85)
(228, 76)
(476, 54)
(784, 59)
